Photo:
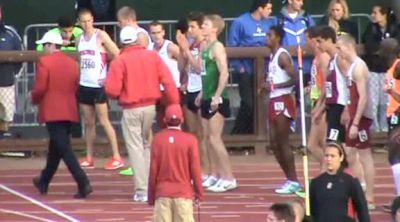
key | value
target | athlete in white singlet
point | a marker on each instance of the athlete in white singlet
(92, 47)
(170, 54)
(127, 17)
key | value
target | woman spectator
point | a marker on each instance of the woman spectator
(382, 26)
(334, 193)
(337, 17)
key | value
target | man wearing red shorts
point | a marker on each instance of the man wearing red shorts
(360, 113)
(282, 108)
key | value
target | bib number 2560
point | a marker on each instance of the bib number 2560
(87, 64)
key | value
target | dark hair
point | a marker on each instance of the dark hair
(278, 32)
(385, 9)
(65, 22)
(312, 31)
(156, 23)
(327, 32)
(196, 16)
(182, 25)
(259, 3)
(283, 211)
(395, 206)
(344, 164)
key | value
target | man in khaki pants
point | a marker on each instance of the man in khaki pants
(175, 164)
(134, 79)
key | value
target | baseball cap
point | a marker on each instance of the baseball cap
(51, 37)
(173, 112)
(128, 35)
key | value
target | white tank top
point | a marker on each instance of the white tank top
(93, 64)
(170, 62)
(341, 84)
(194, 78)
(277, 75)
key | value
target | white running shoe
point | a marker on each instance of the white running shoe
(223, 186)
(140, 197)
(289, 187)
(210, 181)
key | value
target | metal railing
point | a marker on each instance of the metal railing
(26, 113)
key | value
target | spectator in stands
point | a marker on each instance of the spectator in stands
(331, 192)
(69, 32)
(55, 92)
(248, 30)
(294, 21)
(383, 26)
(338, 17)
(175, 172)
(281, 212)
(134, 79)
(10, 40)
(103, 10)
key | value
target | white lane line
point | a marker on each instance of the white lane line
(38, 203)
(25, 215)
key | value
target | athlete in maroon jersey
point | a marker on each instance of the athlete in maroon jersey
(360, 112)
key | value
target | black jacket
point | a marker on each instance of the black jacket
(372, 38)
(345, 26)
(330, 195)
(9, 40)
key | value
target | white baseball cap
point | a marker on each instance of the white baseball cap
(128, 35)
(51, 37)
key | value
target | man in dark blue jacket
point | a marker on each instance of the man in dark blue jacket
(9, 40)
(248, 30)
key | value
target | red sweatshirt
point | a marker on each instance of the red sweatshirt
(175, 163)
(135, 76)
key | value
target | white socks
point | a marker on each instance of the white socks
(396, 176)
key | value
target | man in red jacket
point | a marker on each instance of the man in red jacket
(55, 92)
(134, 79)
(175, 163)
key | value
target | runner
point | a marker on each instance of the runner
(92, 47)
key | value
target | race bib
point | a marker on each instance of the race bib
(328, 89)
(363, 136)
(203, 68)
(279, 106)
(333, 134)
(394, 120)
(87, 64)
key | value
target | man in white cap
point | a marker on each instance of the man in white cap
(55, 92)
(134, 79)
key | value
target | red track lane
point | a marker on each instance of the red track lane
(111, 199)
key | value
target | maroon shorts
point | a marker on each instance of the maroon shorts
(362, 141)
(282, 105)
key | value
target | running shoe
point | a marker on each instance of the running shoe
(210, 181)
(223, 186)
(87, 163)
(140, 197)
(289, 187)
(114, 164)
(301, 194)
(127, 172)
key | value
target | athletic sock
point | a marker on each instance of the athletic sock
(396, 176)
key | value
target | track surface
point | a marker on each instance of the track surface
(112, 196)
